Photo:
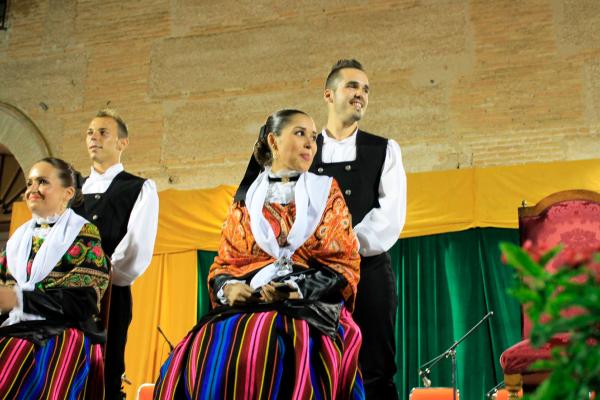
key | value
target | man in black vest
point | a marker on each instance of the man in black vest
(125, 209)
(369, 171)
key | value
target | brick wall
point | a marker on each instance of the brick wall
(457, 83)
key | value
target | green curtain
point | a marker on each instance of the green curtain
(205, 260)
(446, 283)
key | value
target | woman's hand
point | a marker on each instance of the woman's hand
(8, 299)
(238, 293)
(272, 293)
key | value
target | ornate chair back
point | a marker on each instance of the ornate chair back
(570, 218)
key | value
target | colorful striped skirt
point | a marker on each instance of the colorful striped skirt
(264, 355)
(66, 366)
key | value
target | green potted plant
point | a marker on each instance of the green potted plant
(561, 294)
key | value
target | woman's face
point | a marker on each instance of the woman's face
(45, 195)
(295, 148)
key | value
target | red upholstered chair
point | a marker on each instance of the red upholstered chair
(570, 218)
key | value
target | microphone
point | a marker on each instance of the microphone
(125, 379)
(424, 377)
(164, 337)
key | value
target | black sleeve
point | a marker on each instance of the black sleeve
(71, 304)
(320, 284)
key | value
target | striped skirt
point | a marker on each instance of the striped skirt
(67, 366)
(264, 355)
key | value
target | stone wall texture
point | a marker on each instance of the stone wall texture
(457, 83)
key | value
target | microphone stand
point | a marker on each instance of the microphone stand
(165, 337)
(491, 394)
(425, 369)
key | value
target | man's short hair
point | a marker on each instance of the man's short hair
(331, 81)
(122, 131)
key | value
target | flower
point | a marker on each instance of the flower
(74, 251)
(97, 250)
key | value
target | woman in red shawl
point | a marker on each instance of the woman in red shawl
(282, 286)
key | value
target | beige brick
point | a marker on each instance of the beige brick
(26, 21)
(55, 80)
(410, 114)
(191, 17)
(543, 96)
(59, 25)
(228, 126)
(276, 57)
(591, 78)
(578, 25)
(511, 32)
(456, 83)
(118, 22)
(583, 147)
(117, 74)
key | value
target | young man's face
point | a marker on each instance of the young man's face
(103, 143)
(349, 100)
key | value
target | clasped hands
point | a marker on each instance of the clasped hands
(272, 292)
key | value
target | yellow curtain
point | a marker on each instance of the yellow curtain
(190, 220)
(438, 202)
(164, 296)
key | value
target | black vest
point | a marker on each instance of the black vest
(110, 210)
(358, 179)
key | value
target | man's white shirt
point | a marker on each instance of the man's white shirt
(381, 227)
(134, 252)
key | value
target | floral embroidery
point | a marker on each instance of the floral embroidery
(83, 265)
(74, 251)
(91, 231)
(36, 243)
(97, 251)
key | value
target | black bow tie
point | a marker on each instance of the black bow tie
(284, 179)
(44, 225)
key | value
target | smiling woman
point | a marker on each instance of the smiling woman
(53, 275)
(287, 142)
(48, 192)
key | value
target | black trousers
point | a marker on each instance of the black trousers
(118, 324)
(375, 314)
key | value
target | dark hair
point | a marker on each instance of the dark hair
(68, 176)
(331, 81)
(275, 123)
(122, 131)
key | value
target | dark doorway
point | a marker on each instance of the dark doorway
(12, 187)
